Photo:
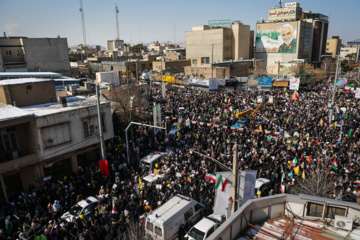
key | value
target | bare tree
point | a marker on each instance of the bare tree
(258, 71)
(318, 183)
(328, 65)
(119, 96)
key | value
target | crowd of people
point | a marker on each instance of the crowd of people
(286, 141)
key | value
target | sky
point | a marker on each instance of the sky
(143, 21)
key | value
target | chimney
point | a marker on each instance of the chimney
(63, 102)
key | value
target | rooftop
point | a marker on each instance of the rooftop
(73, 103)
(9, 112)
(22, 81)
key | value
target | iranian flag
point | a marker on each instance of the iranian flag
(294, 162)
(211, 177)
(257, 131)
(174, 118)
(165, 167)
(277, 133)
(267, 132)
(168, 170)
(350, 88)
(47, 178)
(232, 128)
(293, 149)
(295, 96)
(337, 110)
(241, 129)
(334, 164)
(203, 162)
(208, 124)
(218, 181)
(224, 127)
(201, 124)
(193, 122)
(282, 188)
(113, 205)
(216, 126)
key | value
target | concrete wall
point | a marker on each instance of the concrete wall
(28, 94)
(240, 41)
(78, 139)
(48, 54)
(199, 43)
(272, 60)
(171, 66)
(219, 72)
(112, 77)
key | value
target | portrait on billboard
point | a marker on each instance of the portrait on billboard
(276, 38)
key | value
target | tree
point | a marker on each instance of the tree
(328, 65)
(319, 183)
(258, 71)
(119, 96)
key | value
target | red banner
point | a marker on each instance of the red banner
(104, 169)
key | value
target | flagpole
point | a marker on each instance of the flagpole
(102, 143)
(235, 179)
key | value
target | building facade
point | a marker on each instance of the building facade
(333, 46)
(168, 66)
(21, 54)
(289, 34)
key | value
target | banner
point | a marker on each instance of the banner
(247, 186)
(163, 90)
(266, 81)
(357, 93)
(213, 84)
(294, 83)
(104, 168)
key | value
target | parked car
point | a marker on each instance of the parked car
(205, 227)
(81, 208)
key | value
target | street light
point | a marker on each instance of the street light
(335, 80)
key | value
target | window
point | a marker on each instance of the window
(175, 67)
(194, 61)
(89, 128)
(149, 226)
(188, 214)
(240, 69)
(210, 232)
(18, 52)
(168, 68)
(198, 207)
(8, 53)
(56, 134)
(327, 49)
(332, 211)
(315, 210)
(8, 144)
(158, 231)
(245, 68)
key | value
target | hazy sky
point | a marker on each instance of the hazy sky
(157, 20)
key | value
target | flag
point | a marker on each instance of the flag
(104, 169)
(241, 129)
(261, 130)
(321, 122)
(337, 110)
(350, 133)
(47, 178)
(277, 133)
(217, 126)
(282, 188)
(224, 127)
(334, 164)
(218, 181)
(303, 175)
(193, 122)
(297, 170)
(113, 204)
(224, 184)
(293, 149)
(294, 162)
(140, 183)
(201, 124)
(211, 177)
(295, 96)
(267, 132)
(208, 124)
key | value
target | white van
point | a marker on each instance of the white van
(148, 163)
(165, 221)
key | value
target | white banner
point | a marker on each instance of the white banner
(357, 93)
(247, 186)
(294, 83)
(163, 90)
(213, 84)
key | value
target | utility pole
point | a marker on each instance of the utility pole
(334, 87)
(117, 22)
(235, 179)
(102, 143)
(212, 61)
(137, 75)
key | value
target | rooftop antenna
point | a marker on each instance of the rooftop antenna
(117, 22)
(280, 3)
(83, 22)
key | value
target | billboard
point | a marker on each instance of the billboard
(265, 81)
(220, 23)
(276, 37)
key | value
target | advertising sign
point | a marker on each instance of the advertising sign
(282, 13)
(213, 84)
(276, 37)
(220, 23)
(294, 83)
(265, 81)
(292, 4)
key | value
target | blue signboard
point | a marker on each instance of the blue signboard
(353, 43)
(265, 81)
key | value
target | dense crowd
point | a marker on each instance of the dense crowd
(279, 138)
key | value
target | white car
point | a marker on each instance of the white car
(81, 208)
(203, 229)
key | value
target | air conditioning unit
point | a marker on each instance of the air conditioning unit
(343, 223)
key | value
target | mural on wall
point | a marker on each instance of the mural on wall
(276, 38)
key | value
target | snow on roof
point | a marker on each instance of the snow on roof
(73, 103)
(22, 81)
(8, 112)
(11, 74)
